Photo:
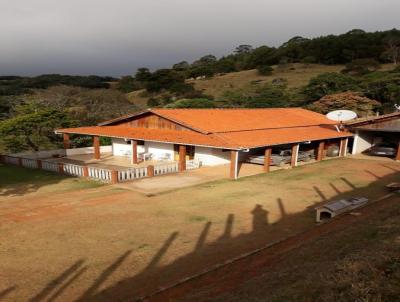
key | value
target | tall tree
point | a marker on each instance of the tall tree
(32, 129)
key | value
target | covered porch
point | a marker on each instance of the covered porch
(129, 153)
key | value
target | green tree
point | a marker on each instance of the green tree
(361, 66)
(128, 84)
(329, 83)
(192, 103)
(264, 69)
(243, 49)
(32, 129)
(181, 66)
(142, 75)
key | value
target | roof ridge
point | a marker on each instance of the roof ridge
(231, 108)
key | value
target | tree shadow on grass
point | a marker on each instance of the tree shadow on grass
(18, 181)
(216, 256)
(6, 292)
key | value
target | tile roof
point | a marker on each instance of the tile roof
(228, 140)
(227, 120)
(161, 135)
(373, 119)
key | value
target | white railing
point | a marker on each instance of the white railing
(29, 163)
(100, 174)
(73, 170)
(192, 164)
(50, 166)
(134, 173)
(11, 160)
(166, 168)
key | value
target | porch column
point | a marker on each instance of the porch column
(96, 147)
(398, 152)
(134, 158)
(267, 159)
(295, 155)
(66, 141)
(343, 146)
(234, 164)
(182, 158)
(355, 142)
(320, 153)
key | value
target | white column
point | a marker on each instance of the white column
(346, 142)
(355, 142)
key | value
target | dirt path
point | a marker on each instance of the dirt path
(228, 276)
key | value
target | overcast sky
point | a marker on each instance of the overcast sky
(115, 37)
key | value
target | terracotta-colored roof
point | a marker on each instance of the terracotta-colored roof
(270, 137)
(228, 140)
(161, 135)
(373, 119)
(227, 120)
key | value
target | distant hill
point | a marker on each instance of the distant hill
(296, 76)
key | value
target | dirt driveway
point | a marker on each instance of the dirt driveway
(113, 244)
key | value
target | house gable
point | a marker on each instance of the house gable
(149, 120)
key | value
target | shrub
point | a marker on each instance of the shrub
(361, 66)
(264, 70)
(329, 83)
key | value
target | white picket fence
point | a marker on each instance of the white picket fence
(50, 166)
(192, 164)
(166, 168)
(11, 160)
(73, 170)
(29, 163)
(100, 174)
(133, 173)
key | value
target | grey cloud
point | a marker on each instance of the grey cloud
(116, 37)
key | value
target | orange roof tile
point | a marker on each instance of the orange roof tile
(161, 135)
(228, 140)
(270, 137)
(227, 120)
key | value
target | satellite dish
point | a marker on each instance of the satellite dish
(341, 115)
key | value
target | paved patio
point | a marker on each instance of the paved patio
(107, 161)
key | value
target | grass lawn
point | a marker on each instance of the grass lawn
(19, 181)
(113, 244)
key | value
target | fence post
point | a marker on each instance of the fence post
(20, 161)
(150, 171)
(114, 176)
(85, 171)
(39, 163)
(60, 168)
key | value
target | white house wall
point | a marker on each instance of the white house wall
(362, 141)
(121, 148)
(160, 150)
(207, 156)
(211, 156)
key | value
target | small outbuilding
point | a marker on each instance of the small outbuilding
(374, 130)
